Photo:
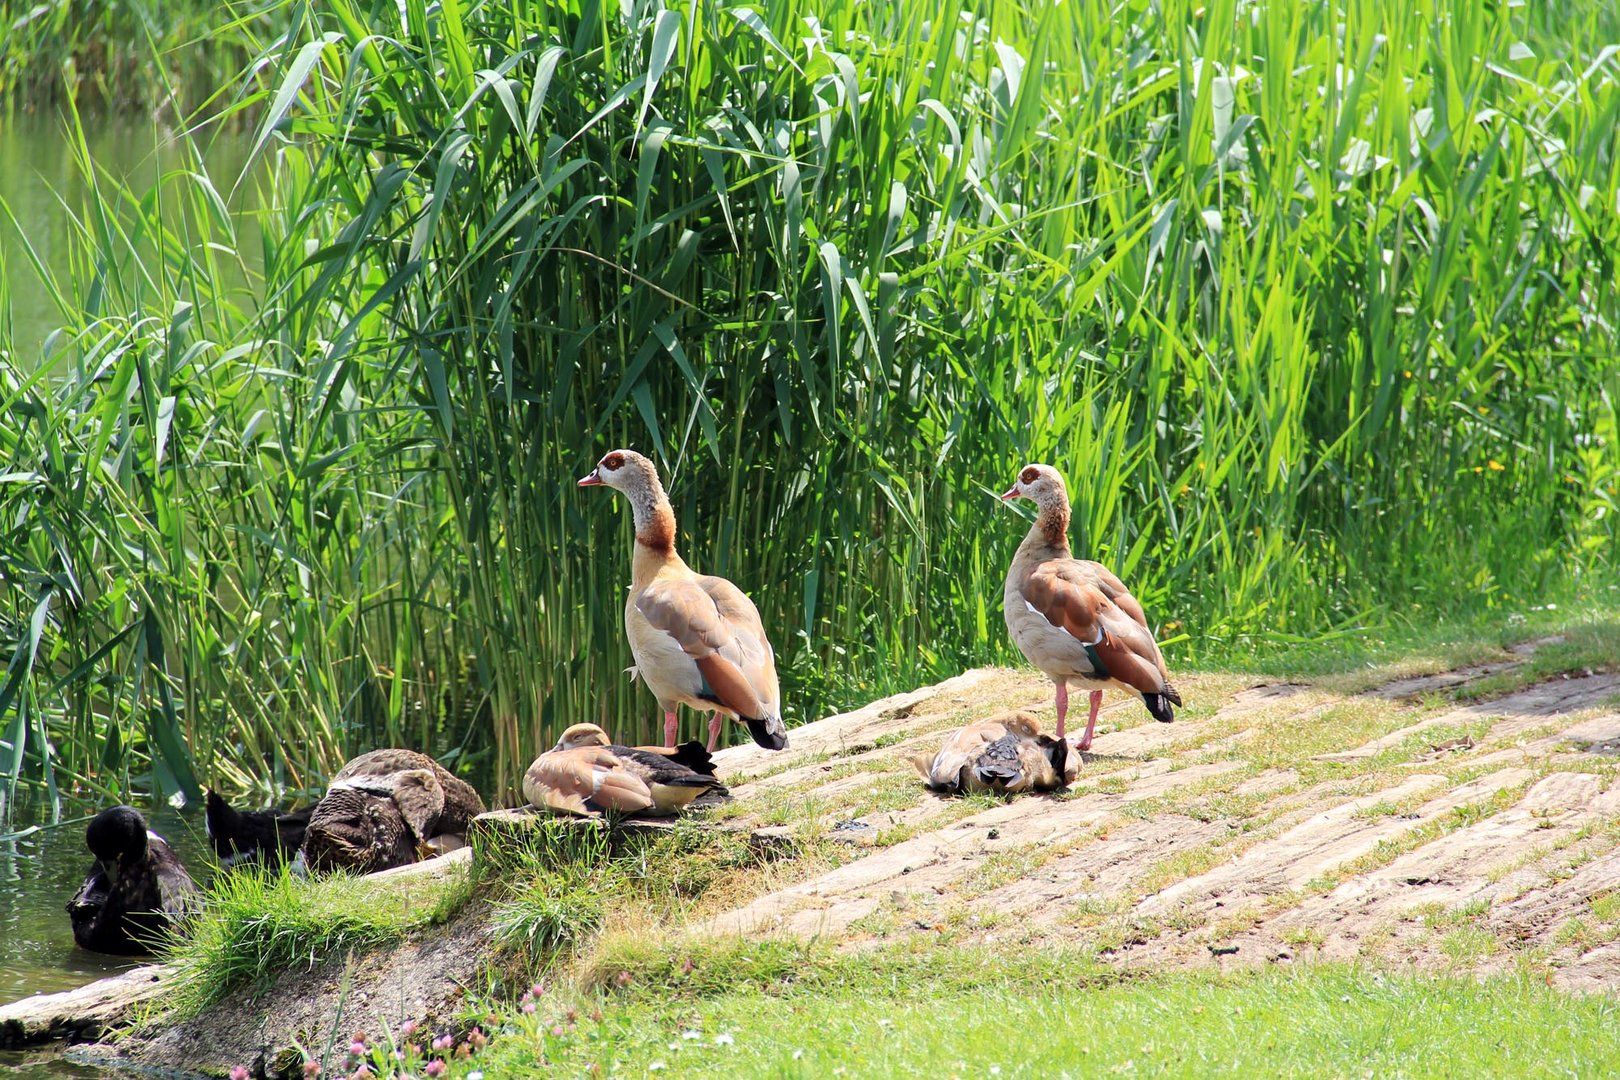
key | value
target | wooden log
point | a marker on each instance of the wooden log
(81, 1013)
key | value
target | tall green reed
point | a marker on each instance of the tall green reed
(1314, 304)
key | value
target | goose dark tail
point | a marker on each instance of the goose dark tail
(1160, 704)
(695, 756)
(769, 732)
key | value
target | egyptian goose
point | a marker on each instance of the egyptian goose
(138, 891)
(268, 837)
(388, 808)
(1074, 619)
(585, 773)
(1007, 755)
(697, 639)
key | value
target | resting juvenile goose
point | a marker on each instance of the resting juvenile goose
(697, 639)
(269, 837)
(1007, 755)
(136, 892)
(1074, 619)
(585, 773)
(388, 808)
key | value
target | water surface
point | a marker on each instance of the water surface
(43, 185)
(40, 871)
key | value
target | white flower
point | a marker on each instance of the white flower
(797, 1054)
(995, 1070)
(476, 1074)
(655, 1066)
(723, 1039)
(691, 1034)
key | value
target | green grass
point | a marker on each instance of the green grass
(257, 927)
(1056, 1015)
(1313, 304)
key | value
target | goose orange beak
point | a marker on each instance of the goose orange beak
(591, 479)
(1010, 493)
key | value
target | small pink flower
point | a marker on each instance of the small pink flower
(537, 990)
(624, 978)
(312, 1068)
(408, 1028)
(443, 1042)
(435, 1068)
(478, 1039)
(557, 1031)
(528, 1007)
(357, 1048)
(362, 1073)
(240, 1072)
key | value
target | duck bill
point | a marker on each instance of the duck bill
(591, 479)
(1006, 496)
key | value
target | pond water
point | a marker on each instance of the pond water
(39, 174)
(41, 866)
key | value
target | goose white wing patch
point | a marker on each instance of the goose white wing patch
(1064, 630)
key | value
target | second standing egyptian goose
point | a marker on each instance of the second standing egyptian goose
(697, 640)
(1074, 619)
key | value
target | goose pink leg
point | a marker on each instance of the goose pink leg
(1062, 705)
(714, 730)
(1091, 723)
(669, 728)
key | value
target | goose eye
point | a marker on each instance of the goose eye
(1028, 476)
(613, 462)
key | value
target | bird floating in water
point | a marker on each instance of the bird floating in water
(136, 894)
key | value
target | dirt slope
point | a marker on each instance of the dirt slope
(1268, 823)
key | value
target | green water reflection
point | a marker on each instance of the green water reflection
(44, 187)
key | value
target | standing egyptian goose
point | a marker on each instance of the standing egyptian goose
(585, 773)
(1074, 619)
(697, 640)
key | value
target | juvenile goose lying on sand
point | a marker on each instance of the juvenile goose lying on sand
(1074, 619)
(586, 773)
(1005, 754)
(388, 808)
(137, 891)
